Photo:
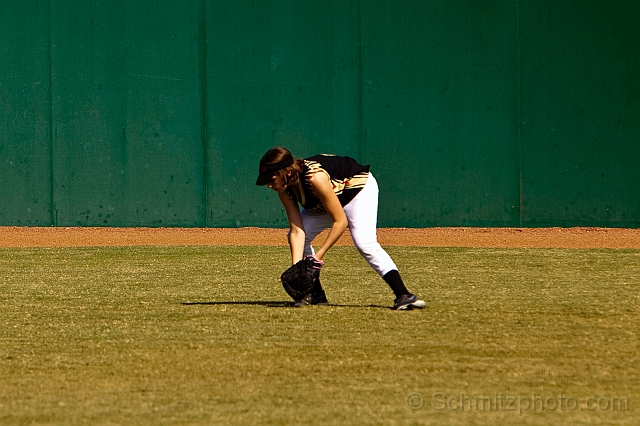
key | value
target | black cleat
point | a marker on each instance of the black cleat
(316, 300)
(319, 299)
(407, 302)
(305, 301)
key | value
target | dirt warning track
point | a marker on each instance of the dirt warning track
(615, 238)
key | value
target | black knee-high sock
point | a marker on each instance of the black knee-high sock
(395, 282)
(317, 287)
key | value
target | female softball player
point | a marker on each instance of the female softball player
(335, 192)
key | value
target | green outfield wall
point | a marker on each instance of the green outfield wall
(471, 113)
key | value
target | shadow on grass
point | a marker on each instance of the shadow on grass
(279, 304)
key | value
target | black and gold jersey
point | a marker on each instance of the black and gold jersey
(347, 176)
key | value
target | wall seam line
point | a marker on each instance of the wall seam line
(202, 41)
(53, 216)
(520, 124)
(362, 131)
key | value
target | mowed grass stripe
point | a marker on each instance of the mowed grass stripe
(204, 335)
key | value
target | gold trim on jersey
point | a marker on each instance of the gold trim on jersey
(357, 181)
(302, 197)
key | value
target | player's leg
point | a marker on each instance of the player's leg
(362, 216)
(314, 223)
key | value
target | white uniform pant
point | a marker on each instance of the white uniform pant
(362, 215)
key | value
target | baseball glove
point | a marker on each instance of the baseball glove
(298, 279)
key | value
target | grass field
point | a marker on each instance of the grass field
(204, 335)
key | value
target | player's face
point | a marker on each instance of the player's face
(276, 184)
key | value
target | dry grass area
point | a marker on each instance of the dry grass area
(192, 327)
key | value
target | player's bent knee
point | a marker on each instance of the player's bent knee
(368, 247)
(372, 251)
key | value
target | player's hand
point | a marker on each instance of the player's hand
(315, 263)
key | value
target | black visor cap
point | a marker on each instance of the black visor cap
(267, 171)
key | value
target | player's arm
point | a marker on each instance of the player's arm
(324, 190)
(296, 229)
